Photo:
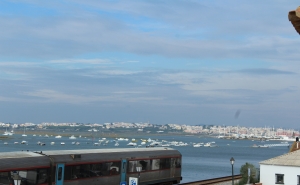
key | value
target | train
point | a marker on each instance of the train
(122, 166)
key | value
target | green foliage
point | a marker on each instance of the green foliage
(244, 173)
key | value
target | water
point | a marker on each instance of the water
(197, 163)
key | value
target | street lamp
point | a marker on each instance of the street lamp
(139, 169)
(232, 162)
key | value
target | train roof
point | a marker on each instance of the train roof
(42, 159)
(22, 160)
(5, 155)
(72, 157)
(110, 150)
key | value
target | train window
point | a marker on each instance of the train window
(5, 178)
(145, 164)
(132, 166)
(92, 170)
(177, 162)
(42, 176)
(155, 164)
(28, 177)
(59, 174)
(165, 163)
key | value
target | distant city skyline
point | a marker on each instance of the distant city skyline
(208, 62)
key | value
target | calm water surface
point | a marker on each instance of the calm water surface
(197, 163)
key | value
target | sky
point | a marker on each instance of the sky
(194, 62)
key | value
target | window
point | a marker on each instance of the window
(59, 173)
(28, 177)
(176, 162)
(165, 163)
(153, 164)
(279, 179)
(92, 170)
(5, 178)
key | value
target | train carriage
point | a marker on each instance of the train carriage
(23, 167)
(106, 166)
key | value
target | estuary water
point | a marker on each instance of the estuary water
(198, 163)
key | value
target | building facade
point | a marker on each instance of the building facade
(284, 169)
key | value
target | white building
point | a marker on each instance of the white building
(284, 169)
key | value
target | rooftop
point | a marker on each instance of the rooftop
(294, 17)
(289, 159)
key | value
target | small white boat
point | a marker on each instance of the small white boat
(117, 144)
(77, 143)
(52, 143)
(58, 136)
(6, 143)
(72, 137)
(263, 146)
(62, 143)
(40, 143)
(23, 142)
(24, 135)
(16, 142)
(197, 145)
(207, 145)
(46, 135)
(131, 144)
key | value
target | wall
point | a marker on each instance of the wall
(267, 174)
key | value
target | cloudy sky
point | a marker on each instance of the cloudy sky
(233, 62)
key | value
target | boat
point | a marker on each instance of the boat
(72, 137)
(46, 135)
(6, 143)
(131, 144)
(206, 145)
(58, 136)
(52, 143)
(77, 143)
(62, 143)
(255, 146)
(117, 144)
(23, 142)
(197, 145)
(24, 135)
(16, 142)
(7, 133)
(263, 146)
